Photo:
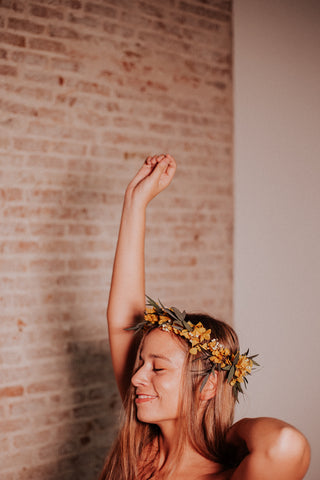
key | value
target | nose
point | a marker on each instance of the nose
(139, 378)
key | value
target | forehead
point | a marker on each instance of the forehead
(159, 342)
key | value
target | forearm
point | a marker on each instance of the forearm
(127, 292)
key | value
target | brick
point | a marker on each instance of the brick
(83, 20)
(204, 12)
(46, 45)
(18, 108)
(96, 9)
(25, 25)
(12, 39)
(65, 65)
(150, 9)
(8, 70)
(45, 12)
(115, 29)
(15, 5)
(90, 87)
(47, 230)
(44, 387)
(15, 391)
(74, 4)
(63, 32)
(29, 58)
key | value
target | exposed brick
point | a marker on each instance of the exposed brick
(25, 25)
(63, 32)
(47, 45)
(151, 9)
(12, 39)
(15, 391)
(40, 437)
(86, 20)
(96, 9)
(45, 12)
(204, 12)
(16, 5)
(90, 88)
(3, 53)
(29, 58)
(8, 70)
(74, 4)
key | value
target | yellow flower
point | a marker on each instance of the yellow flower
(151, 317)
(185, 333)
(194, 341)
(243, 367)
(200, 332)
(194, 350)
(162, 319)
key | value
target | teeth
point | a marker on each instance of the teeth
(145, 396)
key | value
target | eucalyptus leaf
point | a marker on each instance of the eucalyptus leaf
(230, 374)
(204, 381)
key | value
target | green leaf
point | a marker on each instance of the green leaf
(204, 381)
(230, 374)
(179, 315)
(236, 358)
(152, 303)
(137, 327)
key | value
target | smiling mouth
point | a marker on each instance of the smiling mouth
(144, 398)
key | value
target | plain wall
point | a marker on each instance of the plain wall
(277, 199)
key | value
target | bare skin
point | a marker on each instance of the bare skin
(269, 449)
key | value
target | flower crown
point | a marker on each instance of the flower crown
(171, 319)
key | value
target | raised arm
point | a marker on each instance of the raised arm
(275, 450)
(127, 292)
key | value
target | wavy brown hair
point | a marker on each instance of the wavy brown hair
(135, 453)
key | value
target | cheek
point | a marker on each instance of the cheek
(169, 384)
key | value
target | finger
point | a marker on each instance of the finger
(172, 166)
(160, 168)
(142, 173)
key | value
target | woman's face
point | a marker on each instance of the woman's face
(158, 378)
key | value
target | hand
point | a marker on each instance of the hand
(154, 176)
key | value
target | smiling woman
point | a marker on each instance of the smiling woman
(180, 380)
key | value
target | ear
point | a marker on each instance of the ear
(209, 390)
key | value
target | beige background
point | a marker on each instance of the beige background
(277, 200)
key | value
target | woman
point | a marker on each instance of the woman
(179, 380)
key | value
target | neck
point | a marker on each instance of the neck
(189, 459)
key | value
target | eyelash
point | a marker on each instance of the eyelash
(158, 369)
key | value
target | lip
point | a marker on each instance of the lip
(144, 398)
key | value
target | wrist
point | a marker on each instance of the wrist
(133, 201)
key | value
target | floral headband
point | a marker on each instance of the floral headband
(171, 319)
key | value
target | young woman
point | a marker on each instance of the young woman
(179, 378)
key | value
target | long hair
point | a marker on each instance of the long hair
(135, 453)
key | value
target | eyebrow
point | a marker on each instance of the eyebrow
(155, 355)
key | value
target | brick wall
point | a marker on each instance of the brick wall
(88, 89)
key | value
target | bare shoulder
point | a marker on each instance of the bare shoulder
(286, 458)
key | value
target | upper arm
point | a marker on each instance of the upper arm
(123, 348)
(287, 458)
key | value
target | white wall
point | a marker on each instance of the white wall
(277, 208)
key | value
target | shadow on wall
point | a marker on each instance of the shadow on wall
(82, 403)
(95, 412)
